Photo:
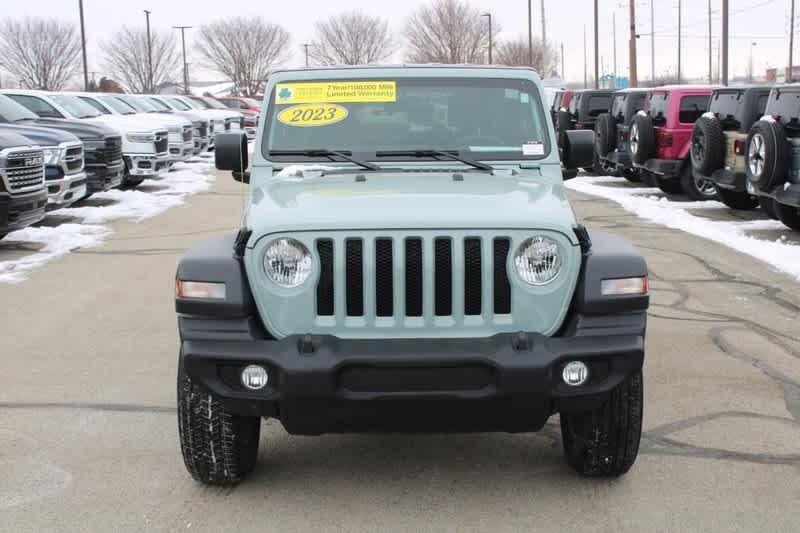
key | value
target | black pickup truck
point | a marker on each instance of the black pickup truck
(23, 197)
(102, 146)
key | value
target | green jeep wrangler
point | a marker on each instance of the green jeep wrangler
(408, 262)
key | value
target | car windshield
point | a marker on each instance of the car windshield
(180, 104)
(478, 118)
(211, 103)
(10, 111)
(158, 104)
(253, 102)
(117, 105)
(139, 104)
(75, 106)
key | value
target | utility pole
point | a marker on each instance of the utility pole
(634, 81)
(710, 74)
(306, 46)
(790, 74)
(185, 64)
(530, 35)
(750, 65)
(725, 42)
(563, 62)
(652, 44)
(614, 33)
(83, 49)
(544, 29)
(489, 16)
(596, 48)
(679, 41)
(585, 65)
(150, 88)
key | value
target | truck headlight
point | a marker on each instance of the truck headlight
(538, 260)
(52, 155)
(287, 263)
(141, 137)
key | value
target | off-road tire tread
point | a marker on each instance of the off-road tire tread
(647, 139)
(604, 442)
(776, 158)
(737, 199)
(788, 214)
(714, 157)
(219, 448)
(689, 187)
(606, 132)
(767, 205)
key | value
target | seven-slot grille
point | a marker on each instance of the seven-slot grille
(386, 277)
(162, 142)
(187, 133)
(23, 170)
(73, 161)
(113, 151)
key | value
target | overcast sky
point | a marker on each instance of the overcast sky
(764, 22)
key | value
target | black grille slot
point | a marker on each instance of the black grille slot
(113, 151)
(384, 278)
(414, 277)
(161, 144)
(502, 288)
(354, 277)
(472, 277)
(325, 284)
(443, 277)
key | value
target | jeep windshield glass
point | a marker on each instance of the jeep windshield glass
(10, 111)
(75, 106)
(472, 118)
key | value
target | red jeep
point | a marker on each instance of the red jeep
(661, 140)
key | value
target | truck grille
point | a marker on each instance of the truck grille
(202, 130)
(187, 133)
(73, 162)
(385, 277)
(162, 142)
(113, 150)
(23, 170)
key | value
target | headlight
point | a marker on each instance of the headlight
(52, 155)
(287, 262)
(538, 260)
(141, 137)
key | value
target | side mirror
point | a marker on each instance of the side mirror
(231, 153)
(578, 149)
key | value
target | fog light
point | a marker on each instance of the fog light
(254, 377)
(199, 289)
(575, 373)
(624, 286)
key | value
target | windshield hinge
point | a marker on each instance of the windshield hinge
(241, 242)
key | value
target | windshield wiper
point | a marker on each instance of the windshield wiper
(452, 155)
(330, 154)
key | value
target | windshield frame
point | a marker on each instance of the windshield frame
(502, 156)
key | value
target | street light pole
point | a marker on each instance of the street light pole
(725, 42)
(752, 45)
(150, 88)
(83, 49)
(634, 81)
(790, 75)
(185, 64)
(596, 48)
(679, 41)
(614, 33)
(530, 36)
(489, 16)
(306, 46)
(652, 44)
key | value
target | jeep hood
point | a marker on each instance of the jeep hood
(409, 200)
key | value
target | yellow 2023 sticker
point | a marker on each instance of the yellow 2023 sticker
(336, 91)
(311, 115)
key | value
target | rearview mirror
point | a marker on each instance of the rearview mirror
(578, 149)
(231, 153)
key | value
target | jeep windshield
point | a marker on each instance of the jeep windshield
(407, 118)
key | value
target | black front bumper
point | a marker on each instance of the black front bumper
(663, 168)
(104, 177)
(323, 384)
(20, 211)
(730, 180)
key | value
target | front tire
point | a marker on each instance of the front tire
(604, 442)
(767, 205)
(788, 214)
(697, 188)
(218, 447)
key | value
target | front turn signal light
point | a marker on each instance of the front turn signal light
(624, 286)
(199, 289)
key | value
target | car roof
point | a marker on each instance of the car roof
(686, 88)
(404, 70)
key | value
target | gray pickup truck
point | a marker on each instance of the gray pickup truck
(23, 197)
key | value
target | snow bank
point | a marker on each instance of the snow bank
(136, 205)
(779, 254)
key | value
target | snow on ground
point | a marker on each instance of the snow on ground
(87, 229)
(643, 203)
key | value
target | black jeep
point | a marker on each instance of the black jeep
(773, 156)
(611, 133)
(584, 108)
(719, 138)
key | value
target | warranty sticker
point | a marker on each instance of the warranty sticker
(312, 115)
(336, 91)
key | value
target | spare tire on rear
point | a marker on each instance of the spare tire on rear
(708, 145)
(642, 139)
(563, 124)
(767, 155)
(605, 131)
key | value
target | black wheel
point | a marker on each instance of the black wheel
(788, 214)
(737, 199)
(604, 442)
(631, 174)
(708, 146)
(669, 186)
(605, 130)
(219, 448)
(697, 187)
(642, 139)
(767, 155)
(563, 124)
(767, 205)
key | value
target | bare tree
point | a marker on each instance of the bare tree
(126, 59)
(40, 53)
(448, 31)
(516, 54)
(244, 50)
(351, 39)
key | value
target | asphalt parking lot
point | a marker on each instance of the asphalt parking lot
(88, 436)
